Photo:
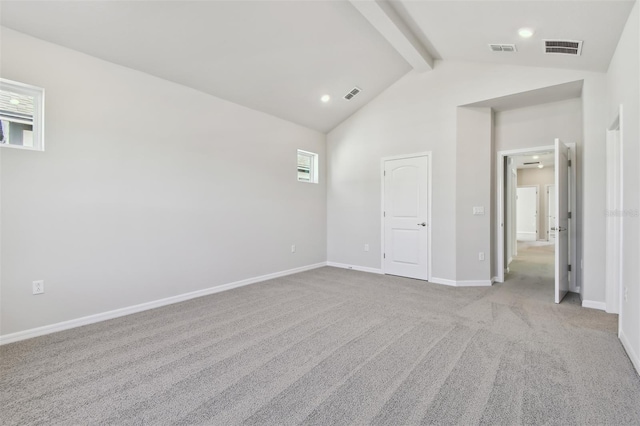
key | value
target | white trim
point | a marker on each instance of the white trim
(442, 281)
(474, 283)
(427, 154)
(594, 305)
(355, 267)
(116, 313)
(463, 283)
(635, 359)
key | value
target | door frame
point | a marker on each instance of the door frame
(547, 191)
(574, 285)
(614, 242)
(428, 155)
(537, 187)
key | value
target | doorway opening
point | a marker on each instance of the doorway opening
(536, 231)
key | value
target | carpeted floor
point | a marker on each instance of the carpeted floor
(334, 347)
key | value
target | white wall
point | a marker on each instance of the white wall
(474, 132)
(419, 113)
(147, 189)
(539, 125)
(539, 177)
(624, 88)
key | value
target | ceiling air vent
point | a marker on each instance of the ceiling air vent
(563, 47)
(503, 47)
(352, 93)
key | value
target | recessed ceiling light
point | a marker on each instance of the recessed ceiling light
(535, 157)
(525, 32)
(540, 166)
(325, 98)
(14, 102)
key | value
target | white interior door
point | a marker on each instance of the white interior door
(562, 220)
(527, 213)
(551, 202)
(405, 217)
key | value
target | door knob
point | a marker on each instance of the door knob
(422, 224)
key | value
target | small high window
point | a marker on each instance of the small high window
(307, 166)
(21, 115)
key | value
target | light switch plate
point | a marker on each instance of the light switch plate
(478, 211)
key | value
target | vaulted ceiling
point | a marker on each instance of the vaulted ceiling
(280, 57)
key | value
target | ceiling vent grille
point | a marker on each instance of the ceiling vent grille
(353, 92)
(503, 47)
(563, 47)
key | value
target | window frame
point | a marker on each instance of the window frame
(313, 166)
(38, 111)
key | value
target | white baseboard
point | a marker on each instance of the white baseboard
(91, 319)
(594, 305)
(462, 283)
(355, 267)
(443, 281)
(474, 283)
(633, 356)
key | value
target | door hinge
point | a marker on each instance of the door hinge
(384, 173)
(569, 215)
(569, 268)
(384, 255)
(569, 163)
(384, 214)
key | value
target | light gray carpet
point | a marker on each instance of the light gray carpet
(334, 347)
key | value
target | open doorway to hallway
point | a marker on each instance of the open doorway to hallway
(536, 232)
(531, 224)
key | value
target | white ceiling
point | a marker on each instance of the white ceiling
(280, 57)
(547, 159)
(555, 93)
(462, 30)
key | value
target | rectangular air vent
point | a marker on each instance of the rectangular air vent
(352, 93)
(563, 47)
(503, 47)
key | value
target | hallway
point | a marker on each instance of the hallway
(531, 273)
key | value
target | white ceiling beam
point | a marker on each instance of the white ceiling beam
(385, 19)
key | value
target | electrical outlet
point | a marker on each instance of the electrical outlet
(481, 255)
(38, 287)
(293, 248)
(366, 247)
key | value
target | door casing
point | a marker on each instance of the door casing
(500, 266)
